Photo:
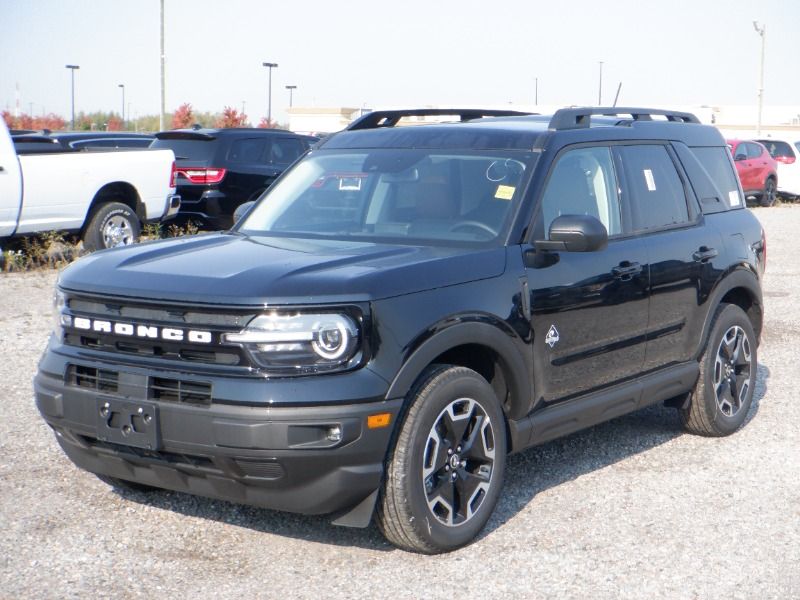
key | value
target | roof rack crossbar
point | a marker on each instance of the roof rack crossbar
(390, 118)
(579, 118)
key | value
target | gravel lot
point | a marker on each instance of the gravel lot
(633, 508)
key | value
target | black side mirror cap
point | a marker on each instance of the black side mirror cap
(575, 233)
(241, 210)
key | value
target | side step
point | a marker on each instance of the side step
(579, 413)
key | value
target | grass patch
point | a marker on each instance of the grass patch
(56, 249)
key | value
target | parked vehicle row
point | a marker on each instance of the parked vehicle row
(103, 196)
(757, 170)
(217, 170)
(786, 151)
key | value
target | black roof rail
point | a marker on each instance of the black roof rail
(579, 118)
(390, 118)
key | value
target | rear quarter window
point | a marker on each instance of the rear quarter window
(716, 162)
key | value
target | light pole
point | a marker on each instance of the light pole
(600, 87)
(122, 86)
(536, 91)
(163, 113)
(269, 66)
(762, 31)
(72, 73)
(291, 89)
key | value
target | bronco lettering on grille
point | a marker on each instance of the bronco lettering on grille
(151, 332)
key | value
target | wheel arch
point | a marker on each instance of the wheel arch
(117, 191)
(484, 347)
(741, 288)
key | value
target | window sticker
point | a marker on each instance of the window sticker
(504, 192)
(651, 182)
(733, 198)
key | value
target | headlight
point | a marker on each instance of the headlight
(59, 318)
(300, 342)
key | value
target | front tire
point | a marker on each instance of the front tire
(445, 471)
(724, 391)
(112, 224)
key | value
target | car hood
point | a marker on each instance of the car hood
(230, 268)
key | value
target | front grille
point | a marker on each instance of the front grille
(103, 314)
(259, 468)
(177, 390)
(161, 389)
(99, 380)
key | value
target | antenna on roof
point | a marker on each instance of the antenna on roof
(619, 87)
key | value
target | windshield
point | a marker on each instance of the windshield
(394, 195)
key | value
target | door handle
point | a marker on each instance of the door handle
(626, 270)
(704, 254)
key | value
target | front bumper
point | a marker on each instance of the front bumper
(284, 458)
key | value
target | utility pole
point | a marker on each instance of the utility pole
(162, 115)
(762, 31)
(269, 66)
(536, 92)
(600, 87)
(72, 69)
(122, 86)
(291, 89)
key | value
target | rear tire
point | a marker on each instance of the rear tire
(112, 224)
(769, 194)
(445, 471)
(724, 391)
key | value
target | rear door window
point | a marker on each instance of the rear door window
(658, 198)
(247, 150)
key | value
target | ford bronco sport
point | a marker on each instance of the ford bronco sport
(408, 305)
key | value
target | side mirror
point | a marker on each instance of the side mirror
(739, 157)
(575, 233)
(241, 210)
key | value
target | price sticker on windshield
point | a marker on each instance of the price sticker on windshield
(504, 192)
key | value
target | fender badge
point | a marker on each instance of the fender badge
(552, 336)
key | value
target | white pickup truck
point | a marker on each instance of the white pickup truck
(104, 196)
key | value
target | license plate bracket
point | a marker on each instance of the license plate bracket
(128, 422)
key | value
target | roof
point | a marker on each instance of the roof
(508, 130)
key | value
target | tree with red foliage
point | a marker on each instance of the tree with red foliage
(114, 124)
(231, 118)
(183, 117)
(24, 121)
(267, 124)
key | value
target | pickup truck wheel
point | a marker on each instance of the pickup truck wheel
(768, 195)
(112, 224)
(122, 484)
(724, 389)
(445, 471)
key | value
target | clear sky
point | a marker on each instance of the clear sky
(410, 52)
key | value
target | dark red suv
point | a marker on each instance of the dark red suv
(757, 170)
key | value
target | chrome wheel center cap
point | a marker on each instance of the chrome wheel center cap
(455, 461)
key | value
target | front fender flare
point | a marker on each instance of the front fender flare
(513, 363)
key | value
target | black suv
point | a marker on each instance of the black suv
(406, 306)
(216, 170)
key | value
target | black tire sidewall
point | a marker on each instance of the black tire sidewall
(468, 385)
(729, 317)
(93, 238)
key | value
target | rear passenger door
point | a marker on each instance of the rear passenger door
(681, 250)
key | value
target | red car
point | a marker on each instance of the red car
(757, 170)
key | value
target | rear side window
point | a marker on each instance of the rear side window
(658, 198)
(284, 151)
(247, 150)
(717, 163)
